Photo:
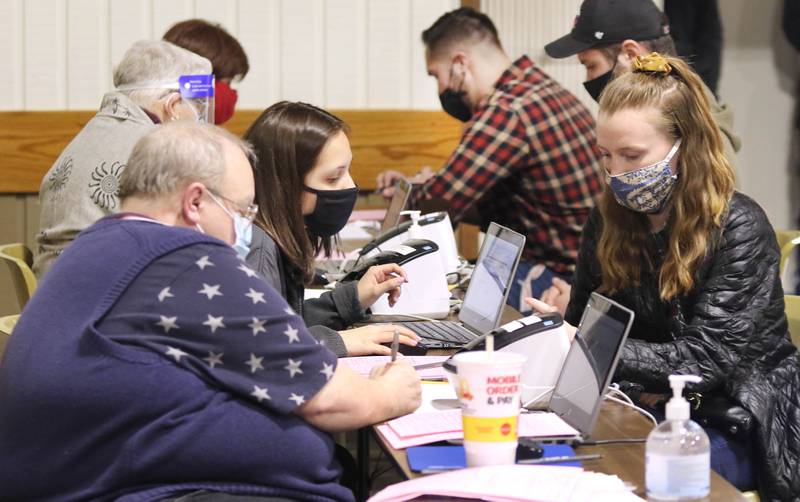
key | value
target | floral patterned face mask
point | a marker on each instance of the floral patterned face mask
(646, 190)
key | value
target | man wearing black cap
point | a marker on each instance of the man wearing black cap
(609, 34)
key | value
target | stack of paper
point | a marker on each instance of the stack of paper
(514, 483)
(364, 364)
(431, 426)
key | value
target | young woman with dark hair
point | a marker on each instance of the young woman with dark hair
(305, 196)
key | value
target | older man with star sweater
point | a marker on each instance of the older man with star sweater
(152, 363)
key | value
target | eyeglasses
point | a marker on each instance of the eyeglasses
(249, 212)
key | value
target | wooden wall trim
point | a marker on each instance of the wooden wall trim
(404, 140)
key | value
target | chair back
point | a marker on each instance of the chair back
(19, 258)
(793, 316)
(7, 324)
(787, 240)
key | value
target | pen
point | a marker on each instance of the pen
(426, 366)
(558, 460)
(395, 343)
(439, 468)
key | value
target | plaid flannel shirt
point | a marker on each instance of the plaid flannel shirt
(527, 160)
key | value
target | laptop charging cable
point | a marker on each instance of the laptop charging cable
(626, 401)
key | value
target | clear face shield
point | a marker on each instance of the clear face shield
(198, 92)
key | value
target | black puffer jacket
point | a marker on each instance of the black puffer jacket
(730, 329)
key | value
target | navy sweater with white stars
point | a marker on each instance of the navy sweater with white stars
(152, 362)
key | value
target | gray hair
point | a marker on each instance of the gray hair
(155, 65)
(176, 154)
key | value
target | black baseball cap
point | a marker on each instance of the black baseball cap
(604, 22)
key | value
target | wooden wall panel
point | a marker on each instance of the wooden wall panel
(381, 139)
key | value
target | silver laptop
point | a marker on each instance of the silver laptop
(589, 366)
(486, 294)
(402, 190)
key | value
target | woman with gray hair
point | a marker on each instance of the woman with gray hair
(82, 185)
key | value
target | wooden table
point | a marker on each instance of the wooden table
(624, 460)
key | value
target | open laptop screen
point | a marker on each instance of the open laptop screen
(402, 189)
(590, 362)
(491, 279)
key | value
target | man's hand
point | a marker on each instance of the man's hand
(367, 340)
(401, 381)
(387, 179)
(378, 280)
(558, 295)
(541, 307)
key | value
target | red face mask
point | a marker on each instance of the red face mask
(224, 102)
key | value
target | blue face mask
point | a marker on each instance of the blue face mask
(242, 230)
(648, 189)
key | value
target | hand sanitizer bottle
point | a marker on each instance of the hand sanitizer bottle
(678, 459)
(414, 231)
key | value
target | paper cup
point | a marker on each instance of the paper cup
(488, 388)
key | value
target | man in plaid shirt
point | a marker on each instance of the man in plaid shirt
(527, 158)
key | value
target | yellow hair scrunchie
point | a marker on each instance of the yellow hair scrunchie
(652, 63)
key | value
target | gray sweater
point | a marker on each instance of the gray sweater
(334, 310)
(81, 187)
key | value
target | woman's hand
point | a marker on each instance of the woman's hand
(378, 280)
(367, 340)
(541, 307)
(558, 295)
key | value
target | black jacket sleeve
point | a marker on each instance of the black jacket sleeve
(730, 301)
(337, 309)
(587, 277)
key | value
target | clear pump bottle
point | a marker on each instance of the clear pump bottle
(678, 461)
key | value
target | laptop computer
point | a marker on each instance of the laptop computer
(486, 294)
(402, 190)
(589, 366)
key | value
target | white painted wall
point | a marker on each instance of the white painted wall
(526, 26)
(759, 81)
(59, 54)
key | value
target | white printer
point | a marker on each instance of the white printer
(426, 293)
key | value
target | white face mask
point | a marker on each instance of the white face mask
(242, 229)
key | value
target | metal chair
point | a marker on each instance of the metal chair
(19, 258)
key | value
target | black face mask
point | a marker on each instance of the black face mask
(596, 85)
(453, 104)
(332, 211)
(453, 101)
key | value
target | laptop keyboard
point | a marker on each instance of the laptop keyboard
(446, 332)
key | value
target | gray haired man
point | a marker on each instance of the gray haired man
(178, 373)
(82, 185)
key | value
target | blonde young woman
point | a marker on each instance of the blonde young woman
(698, 263)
